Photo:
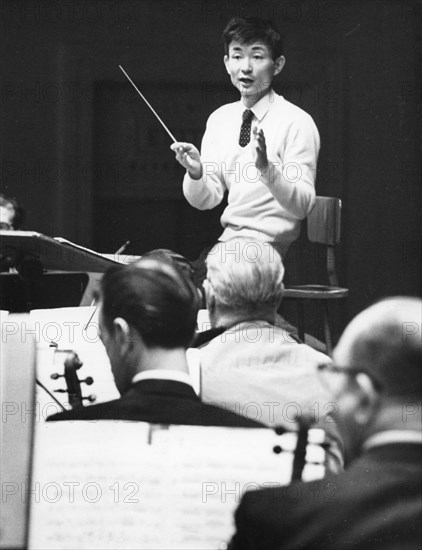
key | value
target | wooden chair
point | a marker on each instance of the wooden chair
(323, 228)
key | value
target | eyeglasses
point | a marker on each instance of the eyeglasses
(330, 375)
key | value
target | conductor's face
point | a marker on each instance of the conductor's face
(252, 68)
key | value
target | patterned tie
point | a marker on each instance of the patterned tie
(245, 129)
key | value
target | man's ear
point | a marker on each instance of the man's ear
(367, 399)
(226, 61)
(122, 334)
(279, 64)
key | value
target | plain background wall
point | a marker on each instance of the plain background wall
(94, 167)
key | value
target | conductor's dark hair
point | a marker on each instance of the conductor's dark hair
(19, 211)
(155, 299)
(246, 30)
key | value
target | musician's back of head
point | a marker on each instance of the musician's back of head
(173, 258)
(154, 298)
(244, 279)
(386, 340)
(375, 382)
(376, 376)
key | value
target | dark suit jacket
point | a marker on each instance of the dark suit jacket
(375, 504)
(159, 402)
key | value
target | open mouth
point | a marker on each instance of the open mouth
(246, 81)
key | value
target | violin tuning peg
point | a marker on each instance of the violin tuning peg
(91, 398)
(88, 381)
(56, 375)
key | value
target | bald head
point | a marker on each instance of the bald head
(386, 340)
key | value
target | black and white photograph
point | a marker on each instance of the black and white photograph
(210, 274)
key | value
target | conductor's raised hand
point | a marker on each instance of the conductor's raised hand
(260, 146)
(189, 157)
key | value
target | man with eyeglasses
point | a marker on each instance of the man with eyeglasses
(376, 502)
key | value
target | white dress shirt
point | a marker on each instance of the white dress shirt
(163, 374)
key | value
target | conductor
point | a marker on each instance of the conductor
(262, 149)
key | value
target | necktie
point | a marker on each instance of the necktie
(245, 129)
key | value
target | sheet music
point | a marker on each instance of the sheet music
(67, 327)
(17, 359)
(122, 485)
(78, 246)
(106, 484)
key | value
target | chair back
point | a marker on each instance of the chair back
(324, 221)
(324, 228)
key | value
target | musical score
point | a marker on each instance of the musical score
(119, 483)
(59, 333)
(65, 330)
(128, 485)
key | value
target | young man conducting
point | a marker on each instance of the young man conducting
(262, 149)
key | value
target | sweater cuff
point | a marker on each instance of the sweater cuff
(272, 174)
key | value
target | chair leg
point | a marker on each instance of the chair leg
(327, 331)
(301, 320)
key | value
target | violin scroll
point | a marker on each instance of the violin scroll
(72, 364)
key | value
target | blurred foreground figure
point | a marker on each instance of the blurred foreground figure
(376, 502)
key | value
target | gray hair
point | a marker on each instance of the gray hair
(245, 275)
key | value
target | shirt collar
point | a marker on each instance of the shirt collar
(392, 436)
(163, 374)
(261, 107)
(240, 325)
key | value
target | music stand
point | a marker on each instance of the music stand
(57, 254)
(51, 272)
(51, 290)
